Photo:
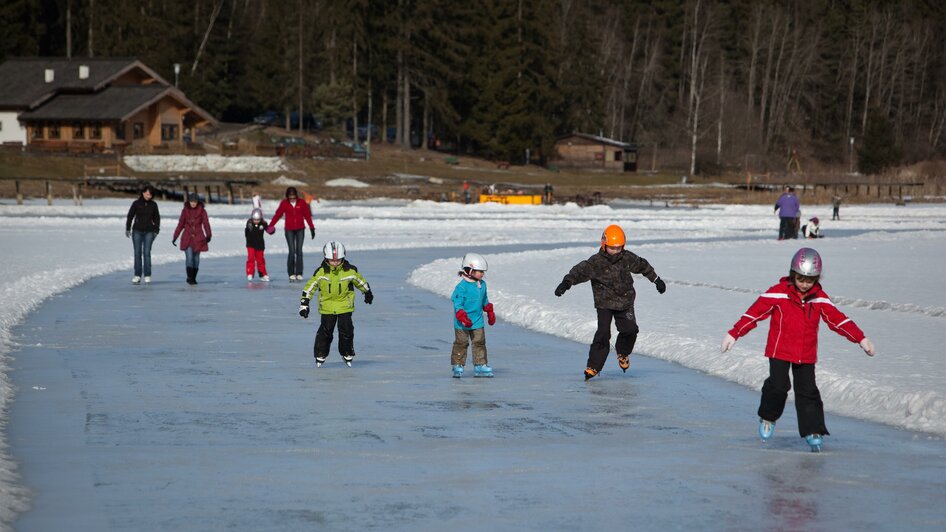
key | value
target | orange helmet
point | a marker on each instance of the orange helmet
(613, 235)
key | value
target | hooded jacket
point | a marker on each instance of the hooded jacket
(145, 215)
(793, 331)
(612, 282)
(470, 296)
(336, 287)
(193, 227)
(254, 233)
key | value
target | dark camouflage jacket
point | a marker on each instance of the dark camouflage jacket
(611, 281)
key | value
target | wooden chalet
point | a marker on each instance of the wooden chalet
(580, 150)
(93, 104)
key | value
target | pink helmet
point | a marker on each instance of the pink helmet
(807, 262)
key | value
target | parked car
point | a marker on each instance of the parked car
(268, 118)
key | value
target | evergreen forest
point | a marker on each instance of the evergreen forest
(713, 84)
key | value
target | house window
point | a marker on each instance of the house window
(95, 131)
(617, 155)
(38, 132)
(54, 131)
(138, 130)
(169, 132)
(120, 131)
(78, 131)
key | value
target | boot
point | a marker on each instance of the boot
(194, 278)
(191, 274)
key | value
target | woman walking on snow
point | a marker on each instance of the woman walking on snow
(797, 304)
(297, 214)
(142, 225)
(194, 229)
(610, 272)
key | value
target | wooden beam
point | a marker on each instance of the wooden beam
(19, 195)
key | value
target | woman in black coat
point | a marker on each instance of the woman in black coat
(142, 226)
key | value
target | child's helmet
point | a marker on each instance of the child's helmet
(257, 214)
(814, 220)
(474, 261)
(806, 262)
(333, 250)
(613, 235)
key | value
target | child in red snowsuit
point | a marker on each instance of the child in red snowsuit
(797, 305)
(255, 246)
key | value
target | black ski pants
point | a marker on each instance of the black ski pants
(786, 229)
(601, 345)
(346, 335)
(808, 403)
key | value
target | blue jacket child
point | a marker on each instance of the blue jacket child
(469, 303)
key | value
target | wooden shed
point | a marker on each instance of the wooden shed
(580, 150)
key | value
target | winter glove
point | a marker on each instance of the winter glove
(127, 234)
(463, 318)
(562, 287)
(174, 243)
(661, 285)
(490, 315)
(369, 297)
(304, 308)
(728, 342)
(312, 232)
(867, 346)
(208, 238)
(270, 229)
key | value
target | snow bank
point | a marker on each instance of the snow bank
(346, 182)
(288, 182)
(204, 163)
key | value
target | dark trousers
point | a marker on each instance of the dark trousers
(346, 335)
(835, 213)
(295, 239)
(601, 345)
(786, 228)
(808, 403)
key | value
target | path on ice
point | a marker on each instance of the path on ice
(169, 407)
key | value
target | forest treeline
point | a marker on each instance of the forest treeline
(710, 84)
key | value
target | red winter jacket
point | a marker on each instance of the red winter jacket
(296, 217)
(793, 332)
(194, 228)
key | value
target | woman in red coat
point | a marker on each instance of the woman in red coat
(297, 216)
(194, 229)
(797, 305)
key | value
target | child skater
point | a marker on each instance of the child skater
(610, 272)
(796, 304)
(469, 303)
(255, 246)
(335, 279)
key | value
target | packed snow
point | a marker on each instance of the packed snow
(288, 182)
(881, 268)
(346, 182)
(204, 163)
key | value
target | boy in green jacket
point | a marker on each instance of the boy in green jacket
(335, 279)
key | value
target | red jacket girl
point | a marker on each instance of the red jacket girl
(793, 333)
(193, 227)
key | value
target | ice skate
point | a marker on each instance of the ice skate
(348, 358)
(590, 373)
(319, 361)
(625, 362)
(136, 280)
(766, 429)
(815, 441)
(457, 371)
(147, 279)
(482, 370)
(249, 277)
(265, 278)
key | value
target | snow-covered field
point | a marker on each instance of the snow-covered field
(204, 163)
(882, 267)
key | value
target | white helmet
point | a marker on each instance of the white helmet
(474, 261)
(806, 262)
(333, 250)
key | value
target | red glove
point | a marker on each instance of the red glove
(270, 229)
(463, 318)
(490, 315)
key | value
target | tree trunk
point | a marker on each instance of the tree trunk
(91, 25)
(407, 109)
(69, 29)
(426, 122)
(354, 93)
(301, 70)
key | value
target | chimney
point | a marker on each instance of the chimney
(50, 75)
(83, 71)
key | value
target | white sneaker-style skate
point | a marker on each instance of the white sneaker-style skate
(264, 278)
(135, 280)
(147, 279)
(249, 277)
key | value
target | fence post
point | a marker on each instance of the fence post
(49, 193)
(19, 195)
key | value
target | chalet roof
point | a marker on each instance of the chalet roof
(117, 102)
(23, 83)
(600, 140)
